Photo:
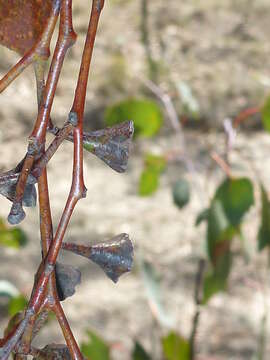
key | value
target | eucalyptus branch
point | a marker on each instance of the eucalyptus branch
(18, 185)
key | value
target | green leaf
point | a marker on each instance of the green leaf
(236, 196)
(216, 279)
(232, 200)
(151, 282)
(155, 162)
(218, 230)
(175, 347)
(181, 193)
(264, 230)
(16, 304)
(14, 238)
(139, 353)
(145, 114)
(149, 181)
(95, 348)
(202, 216)
(266, 114)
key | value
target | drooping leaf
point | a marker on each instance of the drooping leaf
(202, 216)
(175, 347)
(22, 23)
(236, 196)
(54, 352)
(67, 278)
(218, 230)
(232, 200)
(151, 282)
(145, 114)
(111, 145)
(95, 348)
(266, 114)
(181, 193)
(149, 181)
(16, 304)
(264, 230)
(115, 257)
(216, 279)
(139, 353)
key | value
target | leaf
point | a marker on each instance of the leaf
(16, 304)
(155, 162)
(202, 216)
(151, 282)
(54, 352)
(145, 114)
(111, 145)
(175, 347)
(67, 278)
(232, 200)
(236, 196)
(139, 353)
(216, 279)
(149, 181)
(22, 23)
(264, 230)
(266, 114)
(14, 238)
(181, 193)
(95, 348)
(115, 257)
(218, 230)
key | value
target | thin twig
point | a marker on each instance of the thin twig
(177, 127)
(222, 164)
(198, 301)
(41, 50)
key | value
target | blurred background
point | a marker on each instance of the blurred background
(194, 77)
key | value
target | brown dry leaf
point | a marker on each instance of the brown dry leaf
(22, 22)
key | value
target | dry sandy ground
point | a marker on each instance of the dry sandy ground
(221, 51)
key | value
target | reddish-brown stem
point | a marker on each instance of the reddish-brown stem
(17, 213)
(44, 294)
(12, 341)
(77, 188)
(70, 340)
(80, 93)
(66, 39)
(46, 231)
(16, 70)
(223, 165)
(57, 141)
(245, 115)
(40, 51)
